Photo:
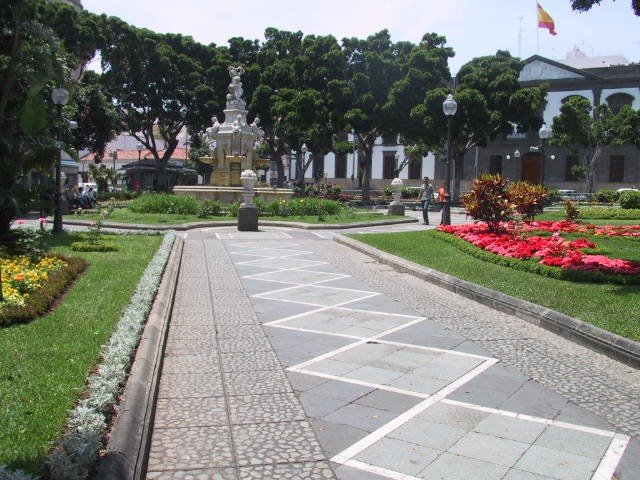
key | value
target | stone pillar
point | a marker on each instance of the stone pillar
(396, 207)
(248, 212)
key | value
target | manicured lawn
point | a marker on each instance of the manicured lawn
(43, 364)
(612, 307)
(124, 215)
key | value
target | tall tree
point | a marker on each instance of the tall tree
(582, 128)
(155, 82)
(373, 67)
(584, 5)
(32, 60)
(491, 103)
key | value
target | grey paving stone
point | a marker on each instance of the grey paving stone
(335, 437)
(190, 412)
(270, 310)
(510, 428)
(189, 346)
(301, 382)
(572, 413)
(271, 443)
(561, 465)
(522, 475)
(348, 473)
(477, 395)
(399, 456)
(317, 406)
(365, 418)
(420, 384)
(458, 417)
(488, 448)
(190, 448)
(378, 376)
(437, 436)
(190, 385)
(257, 382)
(534, 399)
(389, 401)
(454, 467)
(629, 465)
(348, 392)
(293, 471)
(572, 441)
(272, 407)
(207, 474)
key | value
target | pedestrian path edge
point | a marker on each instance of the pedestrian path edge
(130, 437)
(610, 344)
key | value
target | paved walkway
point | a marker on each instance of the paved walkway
(290, 356)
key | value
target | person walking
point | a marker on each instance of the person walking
(426, 195)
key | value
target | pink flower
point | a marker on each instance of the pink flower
(42, 220)
(554, 250)
(20, 221)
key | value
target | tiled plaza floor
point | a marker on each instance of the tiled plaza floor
(292, 357)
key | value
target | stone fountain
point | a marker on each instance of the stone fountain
(233, 145)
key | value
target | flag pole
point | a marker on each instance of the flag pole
(537, 31)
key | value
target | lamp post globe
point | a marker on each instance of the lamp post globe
(544, 134)
(449, 108)
(60, 97)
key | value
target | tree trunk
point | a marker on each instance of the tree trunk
(591, 170)
(366, 174)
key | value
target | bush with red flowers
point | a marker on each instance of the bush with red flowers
(518, 241)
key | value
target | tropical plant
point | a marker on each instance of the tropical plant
(489, 201)
(528, 200)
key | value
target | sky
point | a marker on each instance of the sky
(472, 28)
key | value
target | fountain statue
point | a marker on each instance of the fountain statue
(232, 143)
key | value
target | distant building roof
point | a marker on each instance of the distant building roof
(576, 58)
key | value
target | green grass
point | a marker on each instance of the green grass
(43, 364)
(615, 308)
(124, 215)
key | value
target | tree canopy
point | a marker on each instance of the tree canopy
(585, 5)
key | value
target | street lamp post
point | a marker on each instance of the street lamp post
(60, 97)
(304, 149)
(139, 147)
(449, 107)
(353, 160)
(543, 133)
(396, 173)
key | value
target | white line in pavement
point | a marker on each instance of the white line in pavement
(376, 386)
(384, 472)
(310, 330)
(532, 418)
(403, 418)
(434, 349)
(607, 467)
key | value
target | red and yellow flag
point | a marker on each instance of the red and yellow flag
(545, 20)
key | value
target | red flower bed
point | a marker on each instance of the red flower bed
(552, 250)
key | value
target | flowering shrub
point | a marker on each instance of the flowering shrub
(552, 250)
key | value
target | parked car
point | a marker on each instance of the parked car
(633, 189)
(572, 195)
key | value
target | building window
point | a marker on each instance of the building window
(571, 161)
(388, 165)
(415, 169)
(390, 139)
(619, 100)
(495, 164)
(341, 166)
(616, 168)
